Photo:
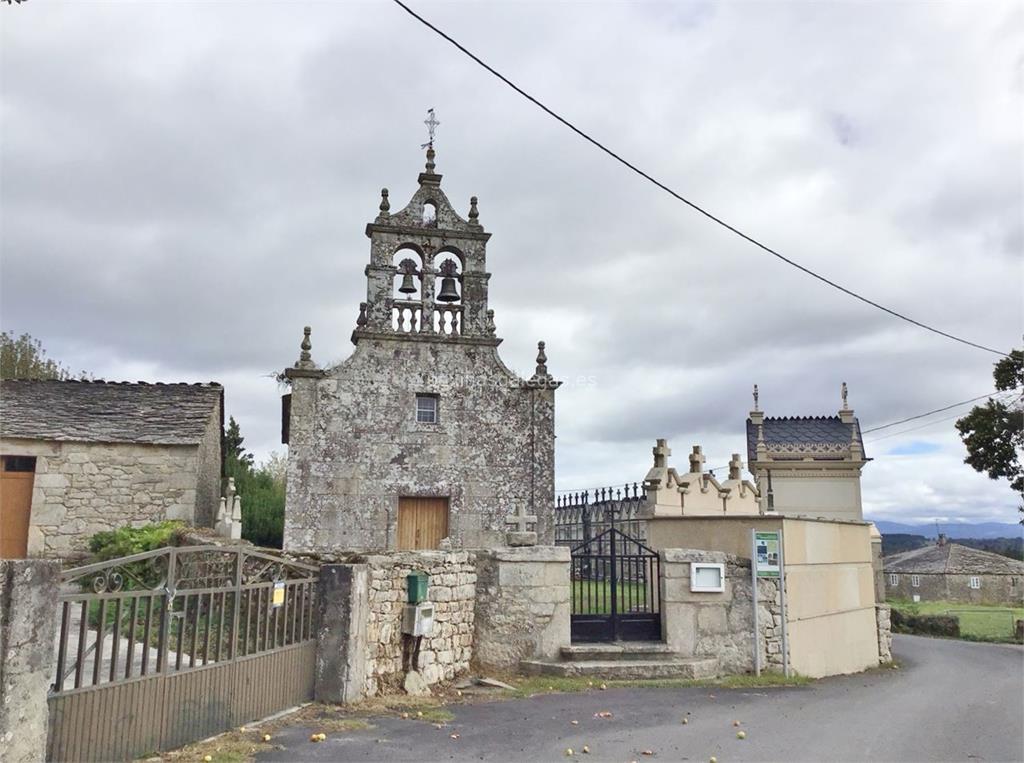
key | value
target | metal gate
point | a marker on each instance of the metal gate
(616, 592)
(162, 648)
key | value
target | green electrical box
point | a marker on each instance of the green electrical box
(417, 582)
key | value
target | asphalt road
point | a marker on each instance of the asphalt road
(951, 700)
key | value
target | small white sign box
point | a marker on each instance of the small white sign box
(418, 619)
(707, 577)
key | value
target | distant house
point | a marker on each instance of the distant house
(950, 572)
(78, 457)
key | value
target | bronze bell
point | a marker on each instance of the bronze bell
(408, 285)
(448, 291)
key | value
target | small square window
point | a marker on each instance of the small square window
(975, 582)
(426, 409)
(894, 580)
(915, 580)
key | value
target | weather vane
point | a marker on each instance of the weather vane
(431, 123)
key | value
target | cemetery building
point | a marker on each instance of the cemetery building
(422, 438)
(946, 571)
(807, 465)
(78, 457)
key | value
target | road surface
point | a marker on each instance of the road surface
(950, 701)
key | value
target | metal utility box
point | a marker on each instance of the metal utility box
(417, 583)
(418, 619)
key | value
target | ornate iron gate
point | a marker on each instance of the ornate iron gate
(616, 592)
(162, 648)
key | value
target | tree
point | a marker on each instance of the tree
(236, 459)
(261, 489)
(25, 358)
(994, 432)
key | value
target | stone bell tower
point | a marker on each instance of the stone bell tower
(427, 247)
(422, 438)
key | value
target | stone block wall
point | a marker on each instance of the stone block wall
(522, 605)
(28, 622)
(995, 589)
(355, 447)
(720, 625)
(883, 617)
(81, 488)
(448, 651)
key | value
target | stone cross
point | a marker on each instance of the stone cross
(844, 392)
(735, 467)
(661, 453)
(522, 535)
(697, 460)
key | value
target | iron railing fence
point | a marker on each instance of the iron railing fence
(583, 516)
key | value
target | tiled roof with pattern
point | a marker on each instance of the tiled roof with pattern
(98, 411)
(800, 430)
(952, 558)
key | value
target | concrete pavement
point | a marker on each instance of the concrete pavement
(950, 701)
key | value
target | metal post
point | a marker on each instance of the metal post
(753, 586)
(782, 603)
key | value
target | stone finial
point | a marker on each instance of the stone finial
(305, 359)
(735, 467)
(362, 320)
(756, 398)
(542, 360)
(856, 451)
(697, 460)
(430, 160)
(541, 377)
(661, 452)
(489, 326)
(474, 213)
(385, 205)
(843, 391)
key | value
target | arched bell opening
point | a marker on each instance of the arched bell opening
(429, 217)
(408, 278)
(448, 285)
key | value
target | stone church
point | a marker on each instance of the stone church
(423, 437)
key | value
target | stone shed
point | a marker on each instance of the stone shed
(79, 457)
(948, 571)
(423, 437)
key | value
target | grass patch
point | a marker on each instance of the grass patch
(533, 685)
(594, 597)
(978, 622)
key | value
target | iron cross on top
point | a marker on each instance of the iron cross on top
(431, 123)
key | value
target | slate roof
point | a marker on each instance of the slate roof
(99, 411)
(952, 558)
(802, 430)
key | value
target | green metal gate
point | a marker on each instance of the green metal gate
(166, 647)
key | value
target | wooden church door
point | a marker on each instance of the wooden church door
(422, 523)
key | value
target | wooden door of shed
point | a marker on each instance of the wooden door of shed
(422, 523)
(17, 473)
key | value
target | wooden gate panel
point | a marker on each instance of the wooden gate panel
(422, 523)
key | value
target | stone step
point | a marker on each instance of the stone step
(619, 650)
(693, 668)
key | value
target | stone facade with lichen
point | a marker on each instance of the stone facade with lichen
(444, 654)
(106, 455)
(358, 441)
(720, 624)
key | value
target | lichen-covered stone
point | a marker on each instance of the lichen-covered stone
(355, 442)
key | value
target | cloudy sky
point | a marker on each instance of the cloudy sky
(185, 185)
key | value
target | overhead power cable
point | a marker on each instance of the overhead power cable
(697, 208)
(929, 413)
